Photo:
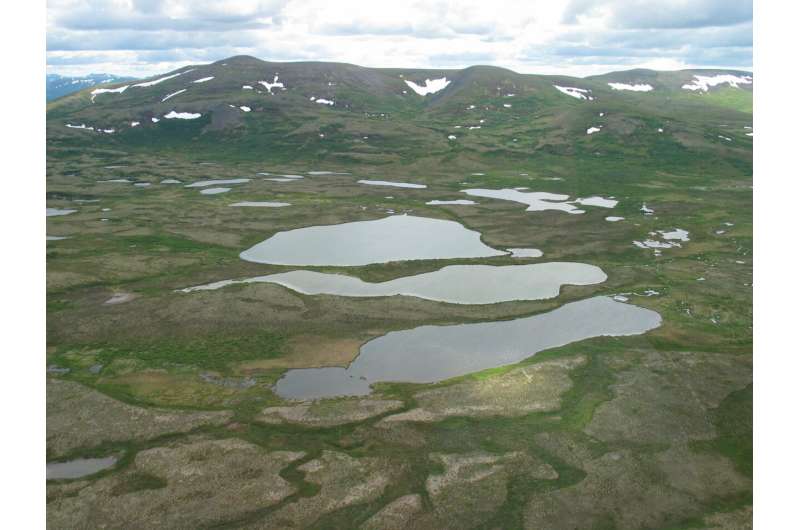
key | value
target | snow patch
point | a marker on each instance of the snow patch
(577, 93)
(677, 234)
(703, 82)
(118, 90)
(173, 94)
(182, 115)
(203, 79)
(633, 88)
(592, 130)
(432, 86)
(269, 86)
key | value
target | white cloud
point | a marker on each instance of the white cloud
(147, 37)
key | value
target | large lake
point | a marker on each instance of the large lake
(428, 354)
(394, 238)
(487, 284)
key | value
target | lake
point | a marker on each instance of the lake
(488, 284)
(79, 467)
(393, 238)
(428, 354)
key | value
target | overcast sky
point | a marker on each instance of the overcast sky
(574, 37)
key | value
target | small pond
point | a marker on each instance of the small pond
(80, 467)
(392, 184)
(53, 212)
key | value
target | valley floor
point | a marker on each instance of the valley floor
(642, 431)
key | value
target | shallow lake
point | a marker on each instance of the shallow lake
(52, 212)
(393, 238)
(204, 183)
(537, 201)
(214, 191)
(261, 204)
(428, 354)
(392, 184)
(525, 253)
(79, 467)
(457, 202)
(488, 284)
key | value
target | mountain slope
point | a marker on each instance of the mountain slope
(246, 108)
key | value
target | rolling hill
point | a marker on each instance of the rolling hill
(246, 108)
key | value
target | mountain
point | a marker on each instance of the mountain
(245, 108)
(59, 85)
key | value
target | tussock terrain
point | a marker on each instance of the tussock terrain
(642, 431)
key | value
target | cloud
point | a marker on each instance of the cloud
(575, 37)
(661, 14)
(153, 15)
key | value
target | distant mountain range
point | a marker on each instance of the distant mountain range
(245, 108)
(60, 85)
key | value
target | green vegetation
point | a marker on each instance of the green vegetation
(650, 431)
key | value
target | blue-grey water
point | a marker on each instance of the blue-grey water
(428, 354)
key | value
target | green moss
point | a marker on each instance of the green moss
(216, 351)
(733, 420)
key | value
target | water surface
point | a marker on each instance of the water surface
(393, 238)
(52, 212)
(487, 284)
(261, 204)
(204, 183)
(428, 354)
(525, 253)
(392, 184)
(537, 201)
(80, 467)
(214, 191)
(457, 202)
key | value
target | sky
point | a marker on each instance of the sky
(570, 37)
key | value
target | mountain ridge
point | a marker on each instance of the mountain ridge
(58, 85)
(243, 107)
